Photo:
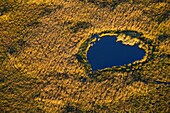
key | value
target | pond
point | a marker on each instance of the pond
(107, 53)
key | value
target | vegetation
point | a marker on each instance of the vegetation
(42, 67)
(80, 25)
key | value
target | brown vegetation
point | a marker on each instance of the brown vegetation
(39, 69)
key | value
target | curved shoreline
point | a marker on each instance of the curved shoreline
(128, 67)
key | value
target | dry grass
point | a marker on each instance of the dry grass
(39, 70)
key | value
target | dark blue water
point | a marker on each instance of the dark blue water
(107, 53)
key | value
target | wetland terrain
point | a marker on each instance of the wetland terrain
(64, 56)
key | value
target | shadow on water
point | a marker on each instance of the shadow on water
(107, 53)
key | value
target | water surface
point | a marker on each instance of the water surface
(107, 53)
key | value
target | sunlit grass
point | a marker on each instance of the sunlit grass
(39, 69)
